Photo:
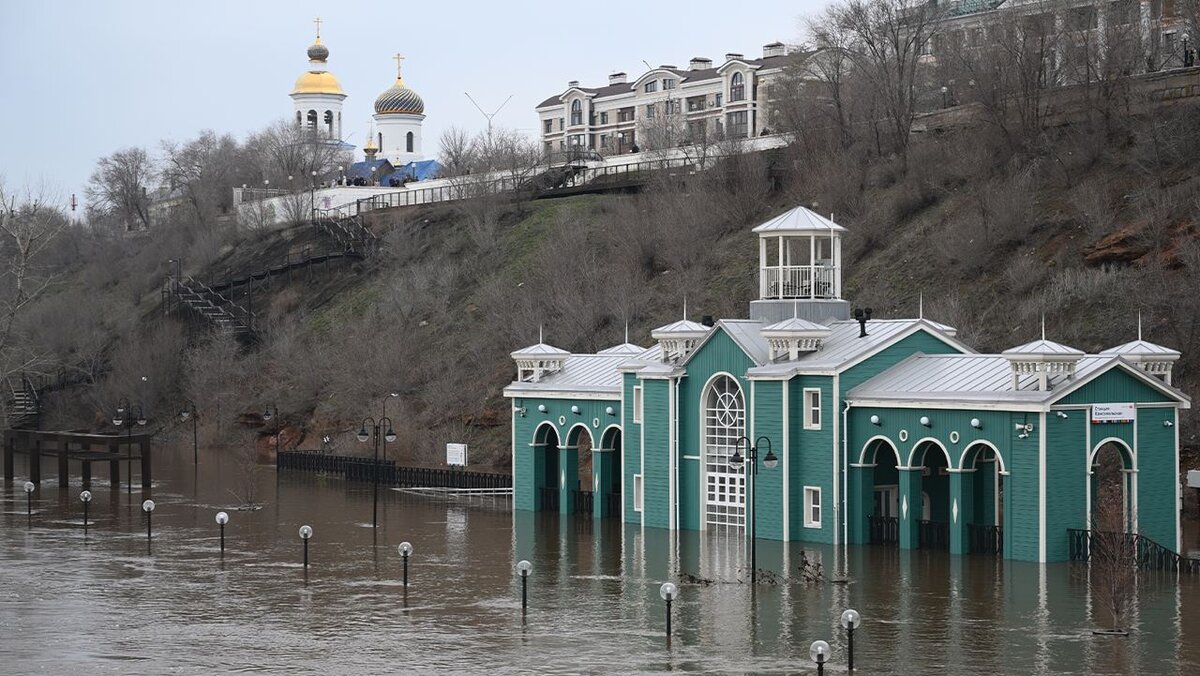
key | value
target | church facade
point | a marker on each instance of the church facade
(815, 425)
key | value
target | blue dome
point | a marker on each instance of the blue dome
(399, 99)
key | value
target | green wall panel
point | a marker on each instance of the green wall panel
(1066, 480)
(656, 481)
(526, 465)
(811, 461)
(1157, 476)
(1114, 386)
(632, 456)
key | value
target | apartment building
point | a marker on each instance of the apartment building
(666, 106)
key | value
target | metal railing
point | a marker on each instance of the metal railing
(884, 530)
(1148, 554)
(985, 539)
(548, 499)
(613, 503)
(933, 534)
(584, 502)
(356, 468)
(799, 281)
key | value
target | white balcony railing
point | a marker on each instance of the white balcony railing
(800, 281)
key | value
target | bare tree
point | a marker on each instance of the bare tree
(1112, 555)
(120, 184)
(204, 170)
(456, 152)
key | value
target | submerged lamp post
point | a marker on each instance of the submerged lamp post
(305, 534)
(190, 412)
(524, 568)
(222, 519)
(363, 436)
(737, 461)
(668, 591)
(819, 652)
(29, 488)
(86, 498)
(406, 550)
(128, 415)
(850, 620)
(148, 508)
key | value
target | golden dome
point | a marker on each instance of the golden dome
(318, 82)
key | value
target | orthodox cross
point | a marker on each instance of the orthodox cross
(318, 22)
(398, 59)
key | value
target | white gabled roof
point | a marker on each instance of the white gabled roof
(1141, 348)
(539, 351)
(581, 374)
(628, 349)
(796, 325)
(1043, 347)
(683, 326)
(844, 347)
(799, 219)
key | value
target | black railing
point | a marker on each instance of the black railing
(885, 530)
(985, 539)
(613, 503)
(366, 469)
(1148, 554)
(584, 501)
(548, 499)
(933, 535)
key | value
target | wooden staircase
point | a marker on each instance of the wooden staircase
(24, 409)
(211, 307)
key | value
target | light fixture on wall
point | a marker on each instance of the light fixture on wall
(610, 411)
(1023, 435)
(519, 410)
(575, 410)
(925, 421)
(976, 423)
(1061, 414)
(541, 408)
(1024, 427)
(1168, 423)
(876, 421)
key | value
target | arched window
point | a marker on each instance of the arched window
(576, 112)
(380, 143)
(329, 123)
(312, 119)
(724, 424)
(408, 142)
(737, 87)
(299, 119)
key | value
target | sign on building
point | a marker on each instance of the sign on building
(456, 454)
(1113, 413)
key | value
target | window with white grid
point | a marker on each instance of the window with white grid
(724, 424)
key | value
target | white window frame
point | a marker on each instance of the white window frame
(809, 422)
(809, 493)
(637, 492)
(637, 404)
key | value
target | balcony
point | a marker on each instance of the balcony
(799, 281)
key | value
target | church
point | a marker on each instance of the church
(392, 149)
(810, 422)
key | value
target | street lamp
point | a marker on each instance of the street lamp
(306, 532)
(222, 519)
(668, 591)
(736, 461)
(184, 414)
(850, 621)
(86, 498)
(363, 436)
(945, 96)
(127, 416)
(29, 488)
(148, 508)
(313, 194)
(406, 550)
(524, 568)
(819, 652)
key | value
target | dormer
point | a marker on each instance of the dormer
(790, 338)
(679, 339)
(537, 361)
(1046, 361)
(800, 257)
(1153, 359)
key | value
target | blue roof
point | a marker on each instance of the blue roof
(421, 171)
(363, 169)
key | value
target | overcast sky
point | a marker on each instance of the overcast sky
(85, 78)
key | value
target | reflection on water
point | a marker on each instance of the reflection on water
(67, 600)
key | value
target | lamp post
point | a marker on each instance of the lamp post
(222, 519)
(945, 96)
(128, 415)
(850, 621)
(524, 568)
(184, 414)
(148, 508)
(819, 652)
(313, 194)
(86, 498)
(363, 436)
(306, 533)
(668, 591)
(29, 488)
(406, 550)
(737, 461)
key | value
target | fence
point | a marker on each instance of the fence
(1147, 553)
(885, 530)
(356, 468)
(985, 539)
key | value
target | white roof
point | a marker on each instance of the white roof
(628, 349)
(799, 219)
(584, 373)
(981, 378)
(538, 351)
(1043, 347)
(797, 325)
(1141, 348)
(843, 345)
(683, 326)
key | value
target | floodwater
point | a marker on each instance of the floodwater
(100, 603)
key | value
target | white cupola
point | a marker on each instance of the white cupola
(1151, 358)
(317, 96)
(679, 339)
(790, 338)
(538, 360)
(399, 113)
(1046, 361)
(799, 268)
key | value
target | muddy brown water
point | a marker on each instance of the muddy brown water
(99, 603)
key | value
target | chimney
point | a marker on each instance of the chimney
(666, 66)
(774, 49)
(699, 63)
(733, 55)
(862, 316)
(616, 79)
(707, 320)
(573, 83)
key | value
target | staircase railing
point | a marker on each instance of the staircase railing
(1148, 554)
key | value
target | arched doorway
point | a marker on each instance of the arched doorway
(930, 462)
(578, 470)
(982, 493)
(608, 477)
(545, 448)
(724, 410)
(881, 459)
(1113, 486)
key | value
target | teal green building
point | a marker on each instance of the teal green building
(865, 430)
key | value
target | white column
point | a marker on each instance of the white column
(762, 267)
